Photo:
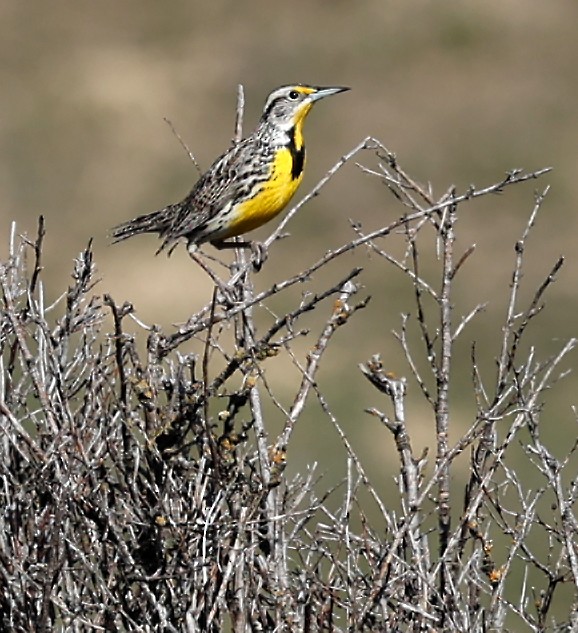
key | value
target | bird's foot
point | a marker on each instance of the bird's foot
(258, 250)
(259, 254)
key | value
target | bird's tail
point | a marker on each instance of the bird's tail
(155, 222)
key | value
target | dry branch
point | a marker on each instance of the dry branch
(148, 491)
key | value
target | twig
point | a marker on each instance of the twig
(184, 145)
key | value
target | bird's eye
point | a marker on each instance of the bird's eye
(293, 95)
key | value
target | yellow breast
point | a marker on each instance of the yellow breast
(271, 198)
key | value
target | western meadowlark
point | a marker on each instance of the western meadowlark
(245, 187)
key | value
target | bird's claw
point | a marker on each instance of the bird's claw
(259, 254)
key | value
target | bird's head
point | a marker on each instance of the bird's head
(287, 107)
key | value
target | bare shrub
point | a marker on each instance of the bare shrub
(145, 490)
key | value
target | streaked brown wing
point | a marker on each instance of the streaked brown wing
(223, 183)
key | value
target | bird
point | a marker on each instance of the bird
(248, 185)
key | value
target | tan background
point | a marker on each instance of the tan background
(461, 92)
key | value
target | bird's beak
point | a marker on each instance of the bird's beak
(321, 93)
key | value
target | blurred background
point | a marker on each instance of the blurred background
(461, 92)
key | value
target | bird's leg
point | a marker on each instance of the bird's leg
(258, 250)
(224, 289)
